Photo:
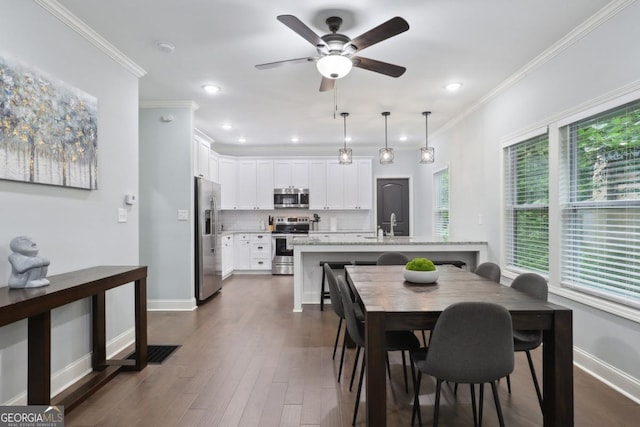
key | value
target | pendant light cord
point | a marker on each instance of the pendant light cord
(426, 128)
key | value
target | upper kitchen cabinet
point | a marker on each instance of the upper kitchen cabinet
(336, 186)
(201, 151)
(214, 170)
(254, 185)
(290, 173)
(358, 185)
(228, 169)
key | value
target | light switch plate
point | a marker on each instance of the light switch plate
(122, 215)
(183, 215)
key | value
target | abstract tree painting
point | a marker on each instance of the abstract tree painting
(48, 129)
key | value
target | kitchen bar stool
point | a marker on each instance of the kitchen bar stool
(335, 265)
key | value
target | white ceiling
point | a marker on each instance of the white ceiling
(479, 43)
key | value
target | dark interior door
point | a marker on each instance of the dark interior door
(393, 197)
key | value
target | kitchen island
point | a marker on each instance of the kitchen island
(309, 251)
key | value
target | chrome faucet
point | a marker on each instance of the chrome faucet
(392, 223)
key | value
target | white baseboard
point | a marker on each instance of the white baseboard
(171, 305)
(610, 375)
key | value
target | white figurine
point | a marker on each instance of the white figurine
(28, 270)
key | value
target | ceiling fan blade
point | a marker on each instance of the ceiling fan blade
(299, 27)
(288, 61)
(382, 32)
(378, 66)
(326, 84)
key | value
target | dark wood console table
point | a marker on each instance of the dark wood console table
(35, 304)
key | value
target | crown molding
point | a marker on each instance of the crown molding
(192, 105)
(575, 35)
(73, 22)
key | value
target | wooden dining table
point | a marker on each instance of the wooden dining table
(391, 303)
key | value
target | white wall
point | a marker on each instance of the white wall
(74, 228)
(600, 63)
(166, 185)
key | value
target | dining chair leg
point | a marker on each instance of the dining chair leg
(424, 338)
(355, 365)
(509, 383)
(335, 345)
(416, 401)
(496, 399)
(344, 344)
(388, 366)
(355, 411)
(472, 387)
(436, 406)
(480, 405)
(404, 371)
(455, 389)
(535, 378)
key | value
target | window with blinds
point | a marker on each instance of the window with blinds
(600, 205)
(441, 204)
(526, 202)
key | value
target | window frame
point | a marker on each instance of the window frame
(508, 208)
(437, 209)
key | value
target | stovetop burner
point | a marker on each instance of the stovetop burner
(291, 225)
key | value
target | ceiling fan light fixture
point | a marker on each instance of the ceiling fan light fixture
(427, 154)
(385, 154)
(345, 154)
(334, 66)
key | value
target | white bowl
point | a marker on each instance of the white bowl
(420, 276)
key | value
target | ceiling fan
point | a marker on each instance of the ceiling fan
(336, 51)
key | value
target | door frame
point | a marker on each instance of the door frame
(375, 199)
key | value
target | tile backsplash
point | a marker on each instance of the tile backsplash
(345, 220)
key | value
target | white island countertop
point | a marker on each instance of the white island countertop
(309, 252)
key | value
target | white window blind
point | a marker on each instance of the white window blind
(600, 182)
(441, 204)
(526, 202)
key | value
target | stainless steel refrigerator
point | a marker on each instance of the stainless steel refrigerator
(208, 244)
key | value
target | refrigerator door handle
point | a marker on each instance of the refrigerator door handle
(214, 226)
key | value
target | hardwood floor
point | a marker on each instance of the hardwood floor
(247, 360)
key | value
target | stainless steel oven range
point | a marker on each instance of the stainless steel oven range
(286, 227)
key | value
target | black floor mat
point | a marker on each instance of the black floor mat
(157, 353)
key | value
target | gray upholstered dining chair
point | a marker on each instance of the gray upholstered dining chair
(536, 286)
(471, 343)
(392, 258)
(395, 340)
(338, 308)
(489, 270)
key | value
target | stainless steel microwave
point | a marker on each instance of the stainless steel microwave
(290, 198)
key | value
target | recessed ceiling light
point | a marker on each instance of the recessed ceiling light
(211, 88)
(295, 139)
(242, 140)
(453, 86)
(403, 138)
(166, 47)
(226, 126)
(348, 139)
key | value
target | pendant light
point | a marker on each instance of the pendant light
(386, 153)
(344, 154)
(427, 154)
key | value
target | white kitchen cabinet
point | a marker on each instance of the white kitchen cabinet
(242, 252)
(290, 173)
(336, 186)
(358, 183)
(317, 184)
(201, 157)
(254, 184)
(228, 182)
(261, 251)
(227, 255)
(214, 174)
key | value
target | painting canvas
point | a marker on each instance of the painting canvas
(48, 129)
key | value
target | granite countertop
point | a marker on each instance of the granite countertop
(371, 232)
(372, 240)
